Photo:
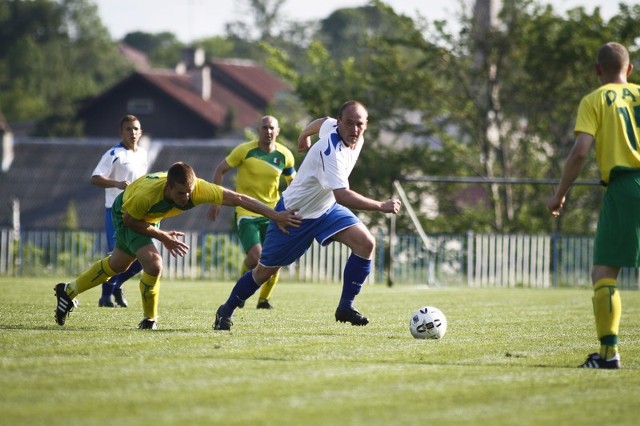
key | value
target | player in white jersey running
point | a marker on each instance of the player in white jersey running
(320, 192)
(118, 167)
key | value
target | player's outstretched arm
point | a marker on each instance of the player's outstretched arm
(283, 219)
(354, 200)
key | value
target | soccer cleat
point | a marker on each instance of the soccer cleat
(264, 304)
(595, 361)
(148, 324)
(64, 303)
(222, 323)
(351, 315)
(118, 295)
(107, 303)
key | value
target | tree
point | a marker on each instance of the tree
(163, 49)
(53, 55)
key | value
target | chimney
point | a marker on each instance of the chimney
(200, 80)
(192, 57)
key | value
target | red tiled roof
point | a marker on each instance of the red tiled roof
(251, 76)
(177, 86)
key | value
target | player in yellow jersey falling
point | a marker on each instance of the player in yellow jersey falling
(260, 165)
(137, 213)
(609, 117)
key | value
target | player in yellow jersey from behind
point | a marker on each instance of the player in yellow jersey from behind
(260, 165)
(608, 117)
(137, 213)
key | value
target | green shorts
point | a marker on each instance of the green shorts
(252, 231)
(127, 239)
(617, 241)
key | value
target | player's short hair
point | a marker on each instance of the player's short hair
(613, 58)
(349, 104)
(128, 118)
(182, 174)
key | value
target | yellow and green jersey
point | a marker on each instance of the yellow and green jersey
(259, 173)
(611, 114)
(144, 198)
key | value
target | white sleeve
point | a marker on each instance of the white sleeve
(104, 166)
(327, 127)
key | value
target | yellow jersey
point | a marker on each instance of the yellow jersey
(259, 173)
(611, 114)
(144, 198)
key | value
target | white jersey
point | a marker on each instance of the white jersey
(120, 163)
(326, 167)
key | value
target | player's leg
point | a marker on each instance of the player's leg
(249, 235)
(279, 249)
(151, 262)
(245, 287)
(267, 288)
(616, 245)
(341, 225)
(607, 310)
(98, 273)
(356, 271)
(106, 298)
(120, 279)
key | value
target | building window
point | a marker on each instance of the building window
(140, 106)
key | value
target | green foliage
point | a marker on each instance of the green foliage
(163, 49)
(70, 220)
(505, 351)
(54, 54)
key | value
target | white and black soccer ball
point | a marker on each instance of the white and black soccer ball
(428, 323)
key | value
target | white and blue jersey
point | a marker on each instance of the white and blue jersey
(121, 164)
(326, 167)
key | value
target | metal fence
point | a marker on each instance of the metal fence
(469, 260)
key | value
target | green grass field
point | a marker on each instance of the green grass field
(508, 358)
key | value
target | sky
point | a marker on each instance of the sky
(194, 19)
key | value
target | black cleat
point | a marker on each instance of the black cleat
(351, 315)
(64, 303)
(595, 361)
(264, 304)
(107, 303)
(148, 324)
(118, 295)
(222, 323)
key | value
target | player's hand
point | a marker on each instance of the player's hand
(304, 144)
(213, 213)
(176, 247)
(287, 218)
(391, 206)
(555, 204)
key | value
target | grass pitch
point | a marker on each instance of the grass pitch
(508, 358)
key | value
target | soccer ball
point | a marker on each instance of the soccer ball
(428, 323)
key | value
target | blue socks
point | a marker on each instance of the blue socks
(244, 289)
(118, 280)
(356, 272)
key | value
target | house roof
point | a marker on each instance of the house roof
(240, 87)
(46, 175)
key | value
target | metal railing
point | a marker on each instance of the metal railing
(469, 260)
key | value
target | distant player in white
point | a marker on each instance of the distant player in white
(320, 193)
(118, 167)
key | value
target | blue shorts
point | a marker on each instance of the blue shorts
(110, 230)
(280, 249)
